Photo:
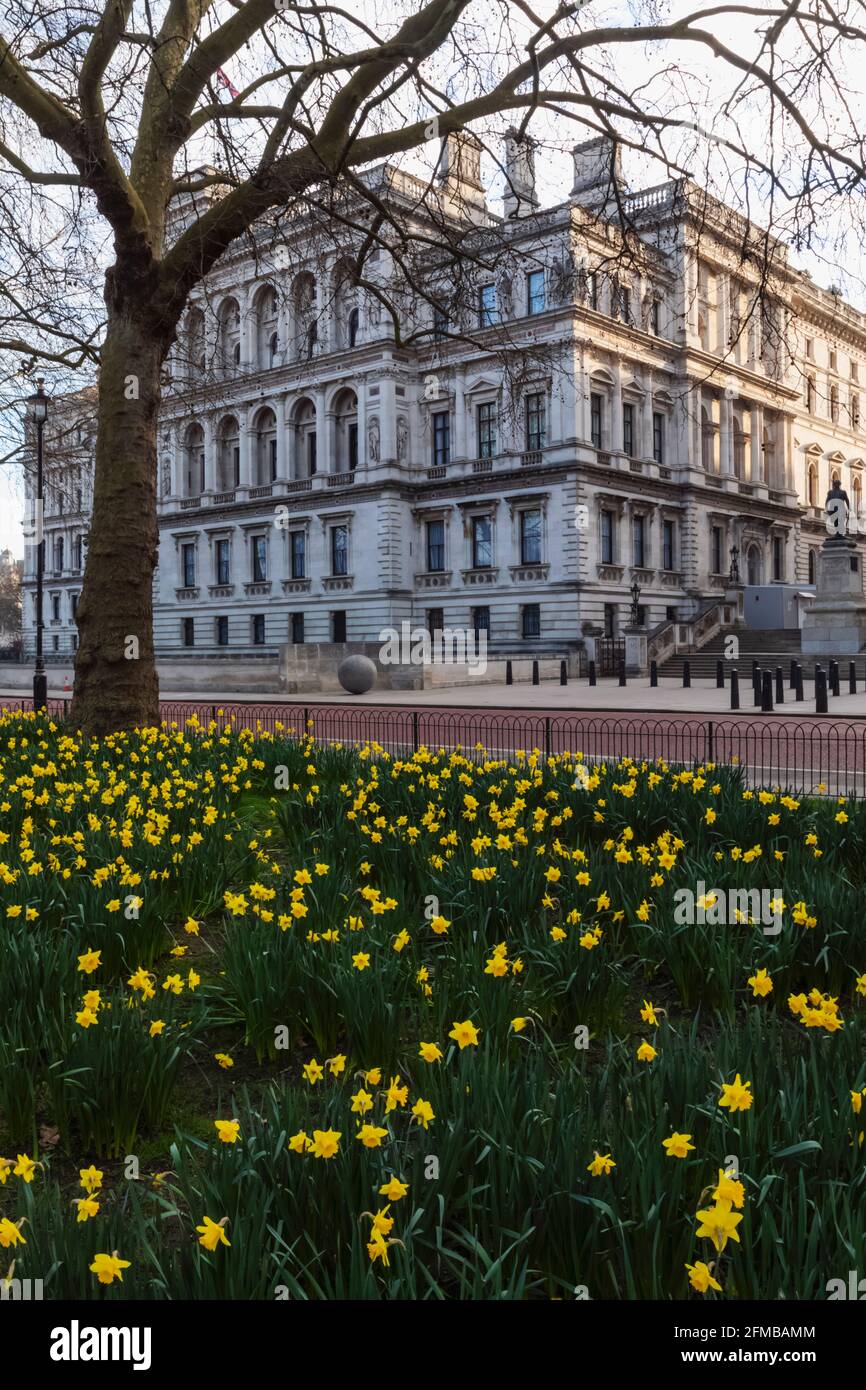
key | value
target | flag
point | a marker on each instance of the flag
(224, 82)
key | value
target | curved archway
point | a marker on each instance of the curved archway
(345, 453)
(229, 334)
(303, 438)
(193, 458)
(265, 447)
(228, 471)
(754, 564)
(266, 313)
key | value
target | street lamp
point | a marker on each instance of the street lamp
(635, 602)
(37, 408)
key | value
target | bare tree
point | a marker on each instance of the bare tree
(109, 109)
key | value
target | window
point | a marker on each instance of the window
(593, 291)
(482, 542)
(811, 566)
(58, 552)
(595, 419)
(530, 537)
(536, 425)
(222, 632)
(855, 371)
(338, 625)
(296, 627)
(810, 394)
(658, 437)
(810, 349)
(260, 559)
(298, 542)
(487, 430)
(716, 549)
(668, 555)
(311, 453)
(656, 317)
(481, 621)
(258, 629)
(435, 620)
(340, 555)
(638, 541)
(55, 608)
(187, 553)
(607, 549)
(352, 445)
(610, 620)
(535, 298)
(834, 360)
(778, 559)
(73, 598)
(352, 330)
(188, 632)
(435, 546)
(223, 562)
(441, 438)
(488, 312)
(441, 322)
(628, 429)
(530, 620)
(79, 551)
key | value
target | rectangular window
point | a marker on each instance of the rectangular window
(628, 429)
(441, 421)
(223, 563)
(668, 545)
(481, 621)
(435, 620)
(236, 464)
(296, 627)
(535, 297)
(188, 565)
(530, 537)
(338, 625)
(531, 620)
(716, 549)
(656, 317)
(482, 542)
(260, 559)
(352, 446)
(258, 629)
(658, 437)
(222, 632)
(487, 430)
(638, 535)
(272, 451)
(55, 608)
(536, 423)
(488, 312)
(593, 291)
(778, 559)
(339, 553)
(435, 546)
(299, 554)
(311, 453)
(188, 632)
(595, 419)
(607, 533)
(610, 620)
(440, 321)
(79, 551)
(73, 606)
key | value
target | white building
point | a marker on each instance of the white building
(584, 408)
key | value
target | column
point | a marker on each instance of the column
(459, 450)
(756, 473)
(282, 441)
(246, 453)
(726, 435)
(323, 435)
(388, 420)
(616, 413)
(248, 330)
(361, 394)
(207, 425)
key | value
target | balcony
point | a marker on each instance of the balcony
(189, 591)
(223, 499)
(337, 583)
(221, 590)
(187, 504)
(258, 588)
(434, 474)
(481, 576)
(530, 459)
(341, 479)
(484, 465)
(433, 579)
(263, 490)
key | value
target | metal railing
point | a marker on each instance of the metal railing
(818, 756)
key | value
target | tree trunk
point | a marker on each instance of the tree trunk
(116, 685)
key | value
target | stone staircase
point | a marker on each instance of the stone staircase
(771, 648)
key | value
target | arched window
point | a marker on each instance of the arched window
(193, 480)
(229, 334)
(812, 566)
(754, 565)
(266, 312)
(346, 432)
(304, 441)
(265, 428)
(812, 485)
(228, 454)
(354, 325)
(303, 312)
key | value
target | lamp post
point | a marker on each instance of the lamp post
(38, 412)
(635, 604)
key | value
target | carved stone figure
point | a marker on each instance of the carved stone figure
(166, 478)
(373, 441)
(402, 439)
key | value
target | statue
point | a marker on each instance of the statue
(838, 509)
(562, 278)
(166, 478)
(373, 441)
(402, 439)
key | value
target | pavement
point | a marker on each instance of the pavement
(701, 700)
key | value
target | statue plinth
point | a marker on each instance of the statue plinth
(635, 650)
(835, 625)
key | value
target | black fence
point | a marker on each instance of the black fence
(820, 756)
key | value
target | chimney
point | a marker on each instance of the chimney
(460, 175)
(520, 197)
(597, 171)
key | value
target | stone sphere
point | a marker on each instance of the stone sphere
(357, 674)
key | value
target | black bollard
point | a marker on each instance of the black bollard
(687, 675)
(767, 692)
(720, 675)
(563, 674)
(820, 691)
(592, 673)
(780, 686)
(798, 683)
(735, 689)
(852, 677)
(654, 674)
(834, 678)
(509, 674)
(622, 673)
(535, 673)
(792, 678)
(756, 686)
